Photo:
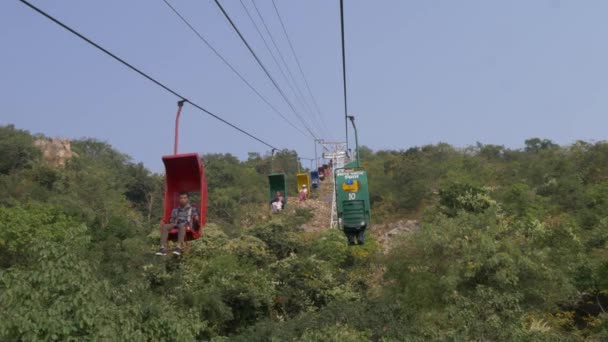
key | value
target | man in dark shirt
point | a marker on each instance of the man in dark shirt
(181, 217)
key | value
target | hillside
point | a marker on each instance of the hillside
(485, 243)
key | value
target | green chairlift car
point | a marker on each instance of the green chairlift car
(277, 182)
(352, 198)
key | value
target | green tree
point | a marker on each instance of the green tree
(17, 150)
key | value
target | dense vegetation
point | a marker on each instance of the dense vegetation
(512, 246)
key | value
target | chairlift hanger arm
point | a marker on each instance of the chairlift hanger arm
(180, 104)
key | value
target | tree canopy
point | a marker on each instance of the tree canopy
(512, 244)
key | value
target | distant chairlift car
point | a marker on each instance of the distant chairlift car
(321, 173)
(315, 179)
(277, 182)
(303, 178)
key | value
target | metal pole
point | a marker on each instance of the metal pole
(344, 70)
(272, 161)
(180, 104)
(316, 160)
(352, 120)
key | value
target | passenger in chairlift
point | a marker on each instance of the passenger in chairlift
(278, 202)
(182, 217)
(303, 192)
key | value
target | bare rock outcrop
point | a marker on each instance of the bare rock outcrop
(392, 231)
(55, 151)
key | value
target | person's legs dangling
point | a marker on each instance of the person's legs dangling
(361, 237)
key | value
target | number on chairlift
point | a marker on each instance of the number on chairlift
(352, 196)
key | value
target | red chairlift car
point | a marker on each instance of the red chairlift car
(321, 171)
(184, 173)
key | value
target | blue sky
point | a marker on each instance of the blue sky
(418, 72)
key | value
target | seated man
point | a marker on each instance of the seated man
(278, 202)
(181, 217)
